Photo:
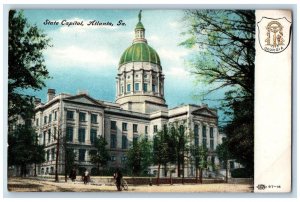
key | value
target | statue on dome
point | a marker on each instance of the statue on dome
(140, 15)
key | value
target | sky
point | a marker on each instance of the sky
(85, 58)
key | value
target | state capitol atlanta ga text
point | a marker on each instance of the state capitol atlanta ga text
(82, 23)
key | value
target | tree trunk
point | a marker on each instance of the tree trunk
(197, 174)
(178, 166)
(158, 173)
(171, 182)
(35, 170)
(200, 175)
(182, 180)
(226, 177)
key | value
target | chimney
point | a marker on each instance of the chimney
(37, 101)
(50, 94)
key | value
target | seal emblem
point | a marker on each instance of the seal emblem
(274, 34)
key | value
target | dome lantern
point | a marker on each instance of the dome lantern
(139, 31)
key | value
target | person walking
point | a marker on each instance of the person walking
(118, 177)
(86, 177)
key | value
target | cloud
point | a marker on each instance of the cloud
(177, 72)
(75, 56)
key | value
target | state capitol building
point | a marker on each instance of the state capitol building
(140, 109)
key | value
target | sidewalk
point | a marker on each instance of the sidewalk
(31, 185)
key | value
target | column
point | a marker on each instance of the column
(88, 129)
(158, 84)
(101, 125)
(132, 89)
(124, 87)
(117, 87)
(142, 82)
(76, 128)
(150, 79)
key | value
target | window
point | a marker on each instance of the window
(181, 129)
(123, 159)
(93, 118)
(70, 115)
(145, 87)
(204, 142)
(55, 115)
(165, 127)
(145, 76)
(113, 158)
(81, 135)
(50, 118)
(124, 142)
(211, 132)
(128, 87)
(48, 155)
(53, 154)
(54, 133)
(155, 128)
(93, 135)
(135, 128)
(44, 138)
(69, 134)
(136, 76)
(113, 141)
(124, 126)
(135, 140)
(81, 116)
(212, 144)
(113, 125)
(81, 154)
(128, 77)
(154, 88)
(146, 129)
(203, 131)
(136, 86)
(196, 134)
(45, 119)
(49, 135)
(213, 160)
(37, 122)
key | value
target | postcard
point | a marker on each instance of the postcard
(149, 100)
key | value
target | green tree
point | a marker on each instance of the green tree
(99, 155)
(26, 68)
(224, 155)
(139, 157)
(23, 149)
(160, 152)
(70, 156)
(225, 40)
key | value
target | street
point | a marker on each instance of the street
(33, 185)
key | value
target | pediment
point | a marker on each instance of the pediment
(204, 112)
(84, 99)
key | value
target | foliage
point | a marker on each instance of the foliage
(225, 44)
(139, 157)
(223, 153)
(100, 155)
(23, 148)
(241, 173)
(70, 156)
(26, 68)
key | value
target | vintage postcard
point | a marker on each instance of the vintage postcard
(149, 100)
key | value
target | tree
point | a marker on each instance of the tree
(225, 60)
(26, 68)
(23, 149)
(70, 156)
(160, 152)
(224, 155)
(139, 156)
(100, 155)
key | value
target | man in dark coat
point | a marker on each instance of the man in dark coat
(118, 176)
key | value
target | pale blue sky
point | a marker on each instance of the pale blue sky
(87, 57)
